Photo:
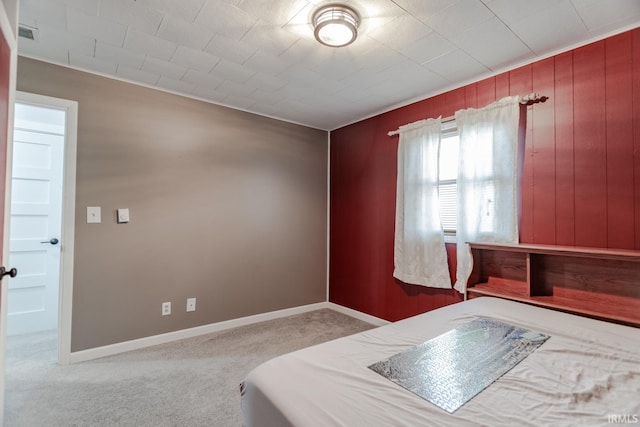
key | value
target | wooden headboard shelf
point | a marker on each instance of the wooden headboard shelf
(599, 283)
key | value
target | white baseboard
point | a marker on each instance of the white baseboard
(358, 314)
(122, 347)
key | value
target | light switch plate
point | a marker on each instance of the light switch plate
(123, 216)
(93, 215)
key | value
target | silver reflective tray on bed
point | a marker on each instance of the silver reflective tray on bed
(452, 368)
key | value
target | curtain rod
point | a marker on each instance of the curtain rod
(530, 99)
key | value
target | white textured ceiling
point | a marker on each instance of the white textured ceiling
(260, 55)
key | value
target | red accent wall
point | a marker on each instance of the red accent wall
(580, 180)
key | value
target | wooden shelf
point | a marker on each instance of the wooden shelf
(575, 251)
(496, 288)
(603, 284)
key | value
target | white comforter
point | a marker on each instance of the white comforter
(587, 373)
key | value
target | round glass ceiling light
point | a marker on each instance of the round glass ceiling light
(336, 25)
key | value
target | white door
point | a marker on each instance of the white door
(36, 213)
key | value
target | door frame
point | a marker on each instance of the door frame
(65, 291)
(8, 26)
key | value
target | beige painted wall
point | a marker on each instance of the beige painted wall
(226, 206)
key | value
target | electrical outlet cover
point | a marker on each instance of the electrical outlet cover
(166, 308)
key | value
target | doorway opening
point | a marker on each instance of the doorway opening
(41, 225)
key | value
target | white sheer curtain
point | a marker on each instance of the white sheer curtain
(487, 179)
(419, 253)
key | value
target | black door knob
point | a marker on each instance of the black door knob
(53, 241)
(11, 273)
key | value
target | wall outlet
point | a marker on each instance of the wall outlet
(166, 308)
(191, 304)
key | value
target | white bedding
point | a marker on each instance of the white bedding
(587, 373)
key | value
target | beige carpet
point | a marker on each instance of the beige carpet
(192, 382)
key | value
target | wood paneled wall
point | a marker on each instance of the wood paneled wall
(580, 180)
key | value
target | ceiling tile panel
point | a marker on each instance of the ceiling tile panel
(266, 82)
(266, 97)
(270, 38)
(302, 51)
(141, 76)
(405, 29)
(235, 89)
(187, 10)
(300, 23)
(510, 11)
(459, 17)
(140, 42)
(229, 70)
(351, 94)
(604, 15)
(425, 9)
(267, 63)
(146, 19)
(203, 80)
(37, 12)
(427, 48)
(389, 96)
(277, 13)
(414, 76)
(177, 86)
(224, 18)
(164, 68)
(561, 23)
(90, 7)
(299, 110)
(404, 80)
(191, 35)
(457, 66)
(118, 55)
(378, 59)
(295, 91)
(52, 36)
(268, 110)
(155, 4)
(302, 75)
(239, 101)
(205, 92)
(231, 49)
(359, 83)
(194, 59)
(90, 63)
(333, 67)
(481, 40)
(56, 54)
(101, 29)
(375, 9)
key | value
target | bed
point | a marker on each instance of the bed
(586, 373)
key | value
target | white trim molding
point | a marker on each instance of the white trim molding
(122, 347)
(358, 314)
(137, 344)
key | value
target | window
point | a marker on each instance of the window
(447, 183)
(448, 173)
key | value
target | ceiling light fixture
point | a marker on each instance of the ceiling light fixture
(335, 25)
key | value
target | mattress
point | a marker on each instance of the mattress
(587, 373)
